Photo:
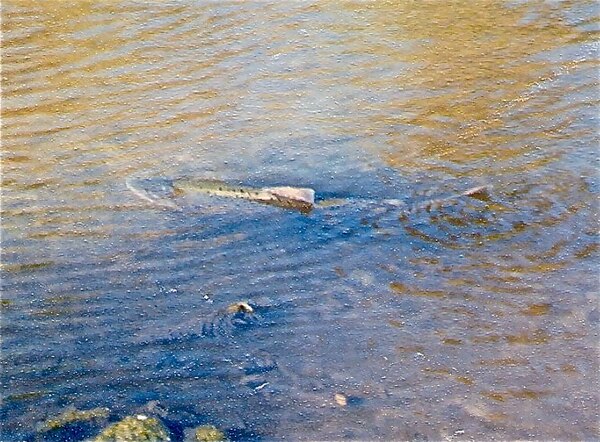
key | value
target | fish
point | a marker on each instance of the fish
(165, 192)
(299, 198)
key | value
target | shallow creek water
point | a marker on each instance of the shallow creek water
(474, 321)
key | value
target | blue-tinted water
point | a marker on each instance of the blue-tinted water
(477, 320)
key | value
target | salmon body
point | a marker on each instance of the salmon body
(300, 198)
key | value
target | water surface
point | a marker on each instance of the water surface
(474, 321)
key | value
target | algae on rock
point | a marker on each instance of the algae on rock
(73, 415)
(207, 433)
(138, 428)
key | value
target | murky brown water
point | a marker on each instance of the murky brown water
(475, 321)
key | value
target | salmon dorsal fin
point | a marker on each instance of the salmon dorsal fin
(300, 194)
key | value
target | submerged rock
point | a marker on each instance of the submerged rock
(71, 416)
(340, 399)
(139, 428)
(222, 323)
(206, 433)
(239, 307)
(5, 303)
(236, 316)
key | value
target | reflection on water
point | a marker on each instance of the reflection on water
(473, 320)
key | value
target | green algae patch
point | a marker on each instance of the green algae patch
(30, 395)
(27, 267)
(72, 416)
(51, 313)
(536, 310)
(138, 428)
(208, 433)
(465, 380)
(400, 288)
(5, 303)
(452, 341)
(538, 337)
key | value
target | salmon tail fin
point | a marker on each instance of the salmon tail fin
(158, 194)
(480, 192)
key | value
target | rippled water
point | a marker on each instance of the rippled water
(478, 320)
